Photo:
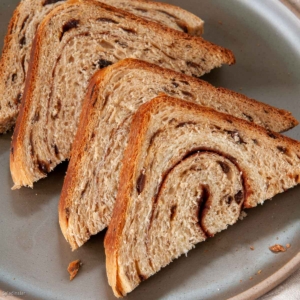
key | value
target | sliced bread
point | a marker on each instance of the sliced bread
(22, 29)
(72, 42)
(163, 13)
(115, 94)
(187, 173)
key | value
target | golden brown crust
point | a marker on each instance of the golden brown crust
(137, 134)
(111, 242)
(77, 148)
(17, 167)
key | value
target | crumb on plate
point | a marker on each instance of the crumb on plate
(277, 248)
(73, 268)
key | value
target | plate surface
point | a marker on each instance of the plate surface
(264, 35)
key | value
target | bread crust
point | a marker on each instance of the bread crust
(131, 156)
(17, 156)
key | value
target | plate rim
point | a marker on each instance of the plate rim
(271, 282)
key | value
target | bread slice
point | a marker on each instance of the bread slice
(22, 28)
(73, 41)
(169, 15)
(115, 94)
(187, 173)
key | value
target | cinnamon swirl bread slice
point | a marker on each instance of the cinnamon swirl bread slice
(22, 28)
(115, 94)
(187, 173)
(73, 41)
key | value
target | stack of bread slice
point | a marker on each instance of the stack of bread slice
(160, 157)
(115, 94)
(72, 43)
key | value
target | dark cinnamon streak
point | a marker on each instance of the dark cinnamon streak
(47, 2)
(129, 30)
(141, 9)
(250, 119)
(238, 197)
(139, 273)
(84, 189)
(182, 26)
(224, 166)
(107, 20)
(173, 212)
(24, 23)
(201, 206)
(103, 63)
(167, 14)
(56, 151)
(68, 26)
(183, 124)
(140, 184)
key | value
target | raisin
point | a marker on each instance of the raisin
(229, 200)
(239, 197)
(224, 167)
(282, 149)
(140, 185)
(14, 77)
(272, 135)
(22, 41)
(102, 63)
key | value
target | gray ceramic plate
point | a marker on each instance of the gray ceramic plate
(34, 256)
